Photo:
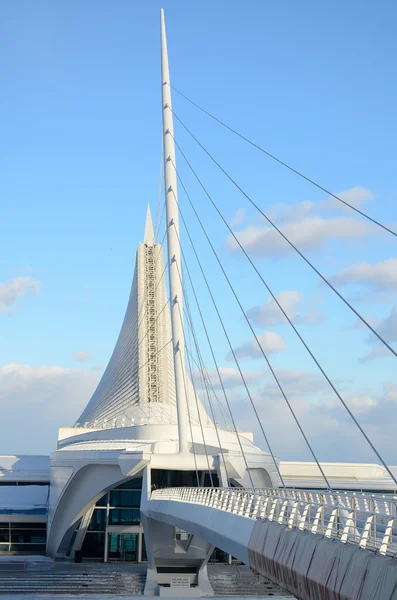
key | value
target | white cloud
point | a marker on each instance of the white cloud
(390, 394)
(230, 376)
(295, 383)
(309, 233)
(12, 290)
(35, 402)
(360, 403)
(271, 342)
(381, 275)
(387, 329)
(238, 218)
(356, 196)
(358, 324)
(82, 356)
(376, 352)
(326, 423)
(270, 314)
(305, 225)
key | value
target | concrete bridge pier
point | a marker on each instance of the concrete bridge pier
(176, 560)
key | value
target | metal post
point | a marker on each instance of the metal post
(139, 536)
(106, 556)
(174, 251)
(106, 553)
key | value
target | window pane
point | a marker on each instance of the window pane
(128, 516)
(4, 535)
(132, 484)
(125, 498)
(102, 501)
(28, 537)
(98, 520)
(144, 556)
(28, 525)
(28, 548)
(94, 545)
(162, 478)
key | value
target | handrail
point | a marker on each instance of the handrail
(368, 520)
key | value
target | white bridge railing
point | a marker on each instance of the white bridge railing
(368, 520)
(377, 503)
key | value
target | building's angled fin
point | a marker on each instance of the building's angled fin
(149, 231)
(138, 385)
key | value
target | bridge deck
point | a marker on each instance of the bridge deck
(314, 544)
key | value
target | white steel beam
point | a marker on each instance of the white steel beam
(174, 251)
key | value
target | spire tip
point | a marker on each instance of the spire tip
(149, 231)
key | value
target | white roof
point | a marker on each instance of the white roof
(25, 467)
(365, 476)
(18, 498)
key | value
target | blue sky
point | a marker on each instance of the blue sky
(80, 117)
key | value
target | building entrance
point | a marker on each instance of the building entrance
(123, 547)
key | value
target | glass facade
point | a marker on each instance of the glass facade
(123, 547)
(119, 507)
(165, 479)
(23, 538)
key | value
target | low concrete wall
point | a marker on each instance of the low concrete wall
(313, 567)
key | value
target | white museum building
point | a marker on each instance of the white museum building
(146, 427)
(84, 500)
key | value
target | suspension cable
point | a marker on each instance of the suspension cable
(291, 323)
(141, 367)
(189, 349)
(144, 307)
(158, 352)
(284, 164)
(264, 356)
(204, 383)
(141, 316)
(160, 221)
(190, 421)
(216, 365)
(216, 425)
(201, 367)
(157, 317)
(229, 342)
(329, 284)
(194, 390)
(206, 379)
(106, 396)
(260, 348)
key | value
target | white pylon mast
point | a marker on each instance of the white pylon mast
(174, 250)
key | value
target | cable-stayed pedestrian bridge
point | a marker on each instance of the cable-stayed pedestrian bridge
(308, 542)
(164, 422)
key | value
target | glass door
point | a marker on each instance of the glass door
(123, 547)
(129, 547)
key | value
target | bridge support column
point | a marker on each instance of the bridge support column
(177, 561)
(221, 472)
